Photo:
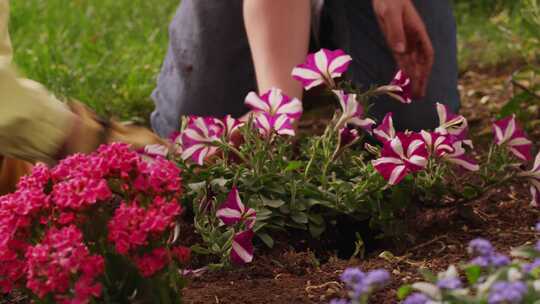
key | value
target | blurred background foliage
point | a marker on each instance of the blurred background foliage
(108, 53)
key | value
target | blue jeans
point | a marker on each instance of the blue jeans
(208, 68)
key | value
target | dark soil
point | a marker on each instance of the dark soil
(286, 275)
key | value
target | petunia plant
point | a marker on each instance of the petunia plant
(356, 167)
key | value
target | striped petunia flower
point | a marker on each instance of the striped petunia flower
(352, 112)
(459, 157)
(399, 88)
(280, 124)
(274, 103)
(229, 125)
(438, 144)
(321, 68)
(233, 211)
(455, 125)
(385, 131)
(348, 137)
(242, 248)
(404, 154)
(533, 176)
(508, 133)
(200, 137)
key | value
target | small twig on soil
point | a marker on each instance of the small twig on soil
(440, 237)
(311, 287)
(524, 88)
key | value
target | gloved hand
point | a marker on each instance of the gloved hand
(90, 132)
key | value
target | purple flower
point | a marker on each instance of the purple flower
(352, 112)
(499, 260)
(233, 211)
(511, 135)
(528, 268)
(449, 283)
(507, 292)
(385, 131)
(322, 67)
(538, 227)
(340, 301)
(242, 248)
(377, 278)
(481, 247)
(274, 103)
(416, 298)
(352, 276)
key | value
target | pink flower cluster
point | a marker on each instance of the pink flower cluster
(132, 225)
(42, 245)
(410, 152)
(62, 265)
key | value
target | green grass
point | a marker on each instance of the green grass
(106, 53)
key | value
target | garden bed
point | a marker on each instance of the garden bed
(289, 275)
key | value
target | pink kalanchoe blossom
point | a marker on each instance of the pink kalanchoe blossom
(348, 137)
(156, 150)
(158, 177)
(118, 159)
(352, 112)
(150, 263)
(399, 88)
(80, 192)
(280, 124)
(404, 154)
(455, 125)
(242, 248)
(200, 137)
(385, 131)
(233, 211)
(322, 67)
(459, 157)
(437, 144)
(509, 133)
(60, 259)
(533, 176)
(274, 103)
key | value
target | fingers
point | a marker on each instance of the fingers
(420, 50)
(390, 20)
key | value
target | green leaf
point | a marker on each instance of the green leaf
(293, 165)
(272, 203)
(473, 273)
(267, 239)
(316, 230)
(404, 291)
(428, 274)
(263, 214)
(300, 218)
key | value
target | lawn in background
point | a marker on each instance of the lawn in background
(107, 53)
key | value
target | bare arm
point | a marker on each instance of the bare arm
(278, 34)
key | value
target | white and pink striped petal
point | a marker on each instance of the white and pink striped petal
(385, 131)
(438, 144)
(321, 68)
(455, 125)
(509, 133)
(348, 137)
(404, 154)
(459, 157)
(233, 211)
(199, 138)
(242, 248)
(274, 102)
(279, 124)
(352, 112)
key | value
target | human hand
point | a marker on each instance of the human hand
(408, 39)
